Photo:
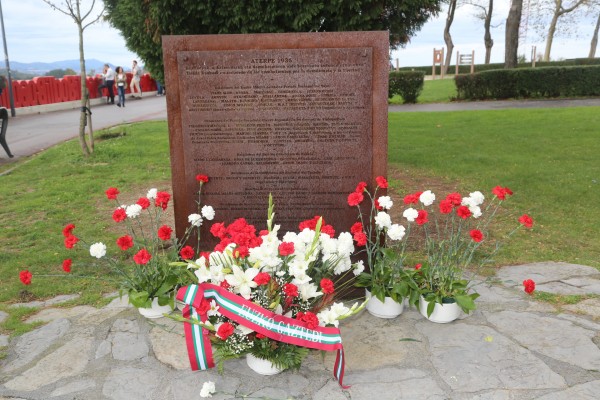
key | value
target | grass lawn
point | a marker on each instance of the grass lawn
(438, 91)
(547, 157)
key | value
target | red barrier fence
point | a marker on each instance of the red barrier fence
(48, 89)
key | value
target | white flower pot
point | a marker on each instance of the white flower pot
(387, 309)
(442, 313)
(261, 366)
(155, 311)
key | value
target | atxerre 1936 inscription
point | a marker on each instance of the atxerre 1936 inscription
(294, 122)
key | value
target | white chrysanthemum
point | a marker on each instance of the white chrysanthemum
(152, 193)
(410, 214)
(328, 317)
(203, 274)
(98, 250)
(385, 202)
(359, 267)
(208, 212)
(195, 219)
(207, 389)
(475, 211)
(308, 291)
(383, 220)
(477, 197)
(427, 198)
(242, 281)
(396, 232)
(214, 309)
(133, 211)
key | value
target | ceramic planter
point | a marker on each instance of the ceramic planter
(155, 311)
(388, 309)
(442, 313)
(261, 366)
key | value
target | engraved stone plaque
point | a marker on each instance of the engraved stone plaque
(295, 121)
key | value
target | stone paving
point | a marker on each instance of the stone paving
(511, 348)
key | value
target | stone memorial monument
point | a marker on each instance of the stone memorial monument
(300, 115)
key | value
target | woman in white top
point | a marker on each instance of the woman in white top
(121, 85)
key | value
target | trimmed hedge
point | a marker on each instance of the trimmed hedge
(466, 69)
(407, 84)
(529, 83)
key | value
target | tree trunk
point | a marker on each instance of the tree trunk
(83, 115)
(512, 34)
(447, 36)
(487, 37)
(594, 43)
(551, 30)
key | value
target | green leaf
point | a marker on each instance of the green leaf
(139, 299)
(466, 303)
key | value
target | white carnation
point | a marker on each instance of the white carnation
(133, 211)
(207, 389)
(476, 211)
(477, 197)
(410, 214)
(427, 198)
(385, 202)
(195, 219)
(359, 267)
(152, 193)
(98, 250)
(208, 212)
(383, 220)
(396, 232)
(345, 244)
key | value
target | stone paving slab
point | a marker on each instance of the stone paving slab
(511, 348)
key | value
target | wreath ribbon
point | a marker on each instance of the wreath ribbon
(250, 315)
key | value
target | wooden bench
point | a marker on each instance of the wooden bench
(4, 122)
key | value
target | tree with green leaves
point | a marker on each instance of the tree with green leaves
(143, 23)
(59, 72)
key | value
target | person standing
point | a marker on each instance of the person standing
(135, 79)
(121, 79)
(109, 78)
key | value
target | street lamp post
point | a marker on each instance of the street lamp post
(10, 91)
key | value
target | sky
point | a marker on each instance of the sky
(35, 32)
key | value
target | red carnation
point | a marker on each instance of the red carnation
(66, 265)
(260, 336)
(187, 253)
(357, 227)
(360, 238)
(377, 205)
(381, 182)
(422, 217)
(142, 257)
(526, 220)
(262, 278)
(454, 198)
(463, 212)
(225, 285)
(446, 206)
(308, 318)
(529, 286)
(119, 215)
(502, 192)
(310, 223)
(476, 235)
(25, 277)
(418, 266)
(70, 241)
(355, 198)
(204, 307)
(241, 252)
(218, 230)
(290, 290)
(328, 230)
(162, 200)
(143, 202)
(225, 330)
(360, 187)
(286, 248)
(125, 242)
(411, 199)
(202, 179)
(111, 193)
(164, 232)
(68, 230)
(327, 286)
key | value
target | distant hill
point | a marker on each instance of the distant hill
(40, 68)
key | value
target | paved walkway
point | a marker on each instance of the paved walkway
(511, 348)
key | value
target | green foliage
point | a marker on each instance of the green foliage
(282, 355)
(59, 73)
(407, 84)
(143, 23)
(530, 83)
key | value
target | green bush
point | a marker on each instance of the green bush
(530, 83)
(407, 84)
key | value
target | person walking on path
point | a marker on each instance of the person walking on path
(135, 79)
(109, 77)
(121, 85)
